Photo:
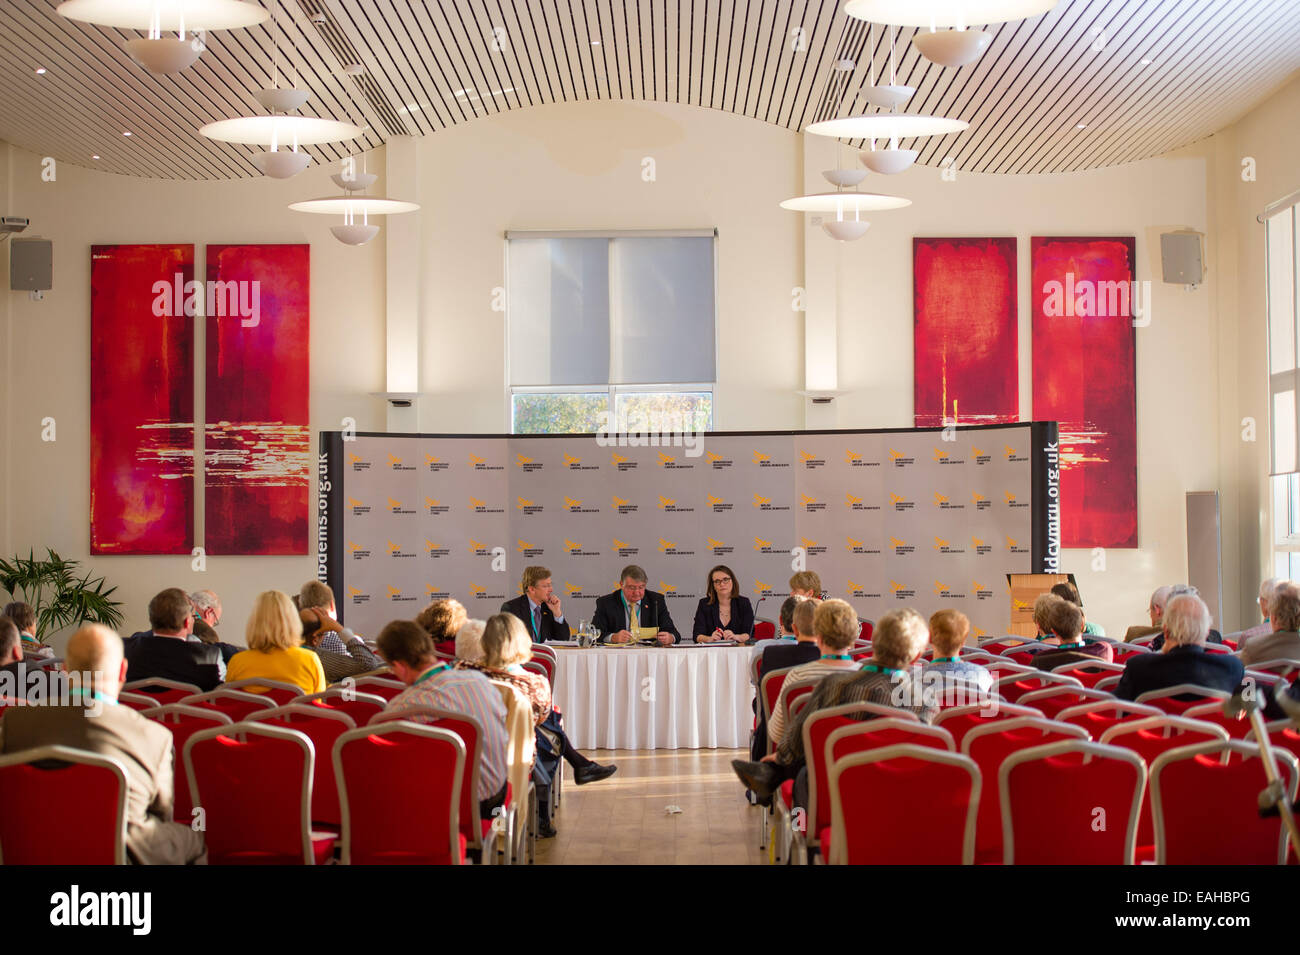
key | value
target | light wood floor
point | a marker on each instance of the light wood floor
(622, 820)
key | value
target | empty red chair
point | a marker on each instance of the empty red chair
(1287, 669)
(167, 691)
(360, 706)
(865, 629)
(989, 746)
(1070, 803)
(378, 686)
(1177, 700)
(82, 794)
(253, 782)
(1282, 734)
(1097, 717)
(960, 720)
(234, 703)
(183, 722)
(1089, 673)
(1205, 809)
(1015, 685)
(1053, 700)
(323, 727)
(282, 693)
(1123, 651)
(764, 630)
(1002, 667)
(1212, 712)
(138, 701)
(1108, 683)
(1149, 738)
(399, 786)
(1001, 644)
(903, 805)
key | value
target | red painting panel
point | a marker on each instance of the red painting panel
(1084, 371)
(141, 400)
(257, 454)
(964, 307)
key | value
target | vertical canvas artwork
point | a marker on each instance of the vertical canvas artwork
(1084, 299)
(257, 454)
(964, 309)
(141, 400)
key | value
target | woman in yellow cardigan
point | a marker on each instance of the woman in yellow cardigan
(275, 651)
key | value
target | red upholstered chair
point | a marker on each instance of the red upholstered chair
(360, 706)
(1145, 641)
(1186, 780)
(280, 692)
(1212, 712)
(1097, 717)
(1287, 669)
(253, 782)
(545, 664)
(1218, 648)
(323, 727)
(386, 687)
(989, 746)
(1003, 667)
(183, 722)
(167, 691)
(138, 701)
(860, 651)
(1089, 673)
(865, 629)
(82, 794)
(544, 650)
(1052, 700)
(1282, 735)
(234, 703)
(1168, 698)
(769, 691)
(1108, 683)
(1001, 644)
(1149, 738)
(764, 630)
(399, 786)
(1049, 798)
(1123, 651)
(798, 701)
(960, 720)
(903, 805)
(975, 655)
(1015, 685)
(480, 834)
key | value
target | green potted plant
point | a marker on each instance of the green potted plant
(59, 596)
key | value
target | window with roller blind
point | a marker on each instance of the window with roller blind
(614, 324)
(1284, 387)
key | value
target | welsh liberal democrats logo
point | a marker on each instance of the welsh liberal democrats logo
(396, 464)
(529, 550)
(718, 548)
(394, 595)
(980, 591)
(669, 462)
(765, 504)
(717, 504)
(669, 505)
(358, 463)
(717, 461)
(855, 503)
(624, 549)
(900, 503)
(944, 547)
(811, 547)
(810, 504)
(981, 502)
(395, 550)
(397, 507)
(621, 462)
(358, 596)
(670, 548)
(981, 547)
(481, 464)
(435, 464)
(941, 501)
(436, 551)
(981, 456)
(572, 590)
(855, 546)
(946, 457)
(811, 461)
(477, 506)
(525, 463)
(575, 549)
(762, 588)
(765, 460)
(622, 506)
(435, 506)
(574, 463)
(528, 507)
(900, 547)
(357, 507)
(944, 590)
(1015, 547)
(901, 591)
(357, 552)
(854, 460)
(574, 506)
(1013, 501)
(899, 459)
(1012, 454)
(436, 593)
(767, 547)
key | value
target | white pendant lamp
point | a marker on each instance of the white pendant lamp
(889, 95)
(888, 162)
(839, 177)
(955, 47)
(155, 52)
(359, 181)
(841, 202)
(952, 48)
(892, 126)
(846, 230)
(276, 130)
(352, 232)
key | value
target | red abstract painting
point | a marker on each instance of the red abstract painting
(141, 400)
(257, 453)
(1084, 300)
(964, 307)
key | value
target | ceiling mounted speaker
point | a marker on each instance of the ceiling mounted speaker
(359, 181)
(846, 230)
(844, 177)
(888, 95)
(952, 47)
(281, 164)
(281, 100)
(355, 233)
(888, 162)
(164, 54)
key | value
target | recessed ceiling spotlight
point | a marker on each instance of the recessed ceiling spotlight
(40, 71)
(126, 133)
(1146, 62)
(595, 43)
(94, 157)
(1082, 126)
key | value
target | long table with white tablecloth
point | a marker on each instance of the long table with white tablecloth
(685, 697)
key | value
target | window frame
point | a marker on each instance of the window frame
(613, 391)
(1283, 490)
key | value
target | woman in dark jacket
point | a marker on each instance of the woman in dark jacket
(724, 614)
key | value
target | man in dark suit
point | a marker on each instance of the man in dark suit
(538, 606)
(165, 652)
(93, 720)
(633, 606)
(1186, 623)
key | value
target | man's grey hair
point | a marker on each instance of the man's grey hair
(1186, 620)
(1266, 589)
(1160, 597)
(205, 600)
(469, 641)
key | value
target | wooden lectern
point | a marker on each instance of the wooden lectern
(1024, 590)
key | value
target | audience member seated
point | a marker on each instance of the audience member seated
(21, 677)
(24, 617)
(784, 634)
(806, 583)
(1155, 610)
(722, 613)
(1284, 642)
(207, 615)
(163, 652)
(1186, 623)
(1176, 590)
(355, 657)
(1067, 591)
(469, 642)
(538, 606)
(899, 639)
(1065, 643)
(96, 722)
(442, 620)
(785, 653)
(408, 648)
(315, 595)
(948, 632)
(1265, 629)
(834, 628)
(275, 651)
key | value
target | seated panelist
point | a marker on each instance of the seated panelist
(538, 606)
(723, 614)
(630, 607)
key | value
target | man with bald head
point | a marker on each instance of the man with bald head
(92, 719)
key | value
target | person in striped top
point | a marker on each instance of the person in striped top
(836, 627)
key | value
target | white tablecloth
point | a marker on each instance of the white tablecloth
(687, 697)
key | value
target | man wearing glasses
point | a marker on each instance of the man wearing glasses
(631, 608)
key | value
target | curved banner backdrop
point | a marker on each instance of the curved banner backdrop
(925, 518)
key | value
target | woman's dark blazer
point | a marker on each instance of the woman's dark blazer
(707, 619)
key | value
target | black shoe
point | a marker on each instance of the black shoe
(545, 830)
(761, 779)
(592, 772)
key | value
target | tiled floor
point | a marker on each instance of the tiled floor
(622, 820)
